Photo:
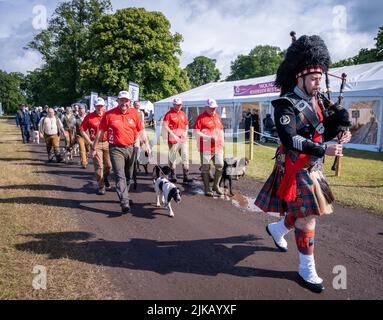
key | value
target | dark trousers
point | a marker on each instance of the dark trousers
(122, 159)
(25, 133)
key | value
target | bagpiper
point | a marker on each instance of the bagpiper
(297, 186)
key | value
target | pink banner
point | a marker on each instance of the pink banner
(254, 89)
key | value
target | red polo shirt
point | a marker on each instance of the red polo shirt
(91, 123)
(211, 126)
(122, 128)
(177, 122)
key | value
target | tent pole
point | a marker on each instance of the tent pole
(251, 148)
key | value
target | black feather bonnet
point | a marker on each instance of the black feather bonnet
(305, 55)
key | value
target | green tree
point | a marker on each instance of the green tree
(366, 56)
(11, 93)
(64, 45)
(343, 63)
(134, 45)
(261, 61)
(379, 44)
(201, 71)
(43, 89)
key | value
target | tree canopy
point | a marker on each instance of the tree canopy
(134, 45)
(11, 91)
(263, 60)
(201, 71)
(63, 46)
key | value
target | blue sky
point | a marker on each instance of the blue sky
(218, 29)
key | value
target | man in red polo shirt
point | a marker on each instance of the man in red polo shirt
(208, 130)
(176, 125)
(101, 159)
(123, 125)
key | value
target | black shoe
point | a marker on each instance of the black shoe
(314, 287)
(107, 184)
(59, 159)
(187, 179)
(101, 191)
(125, 208)
(172, 177)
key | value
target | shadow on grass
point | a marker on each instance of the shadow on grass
(87, 188)
(84, 205)
(203, 257)
(20, 159)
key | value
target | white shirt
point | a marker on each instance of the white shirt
(49, 125)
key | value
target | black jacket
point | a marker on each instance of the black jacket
(296, 132)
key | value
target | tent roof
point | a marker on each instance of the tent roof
(147, 105)
(362, 80)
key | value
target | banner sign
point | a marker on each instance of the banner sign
(110, 104)
(255, 89)
(134, 90)
(93, 97)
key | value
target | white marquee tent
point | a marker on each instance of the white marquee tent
(363, 96)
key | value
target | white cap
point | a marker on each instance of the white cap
(211, 103)
(99, 102)
(177, 101)
(124, 95)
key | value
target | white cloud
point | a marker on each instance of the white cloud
(218, 29)
(223, 30)
(3, 34)
(28, 61)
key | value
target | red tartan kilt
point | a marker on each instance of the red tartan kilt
(267, 199)
(305, 204)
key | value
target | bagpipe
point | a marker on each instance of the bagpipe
(335, 110)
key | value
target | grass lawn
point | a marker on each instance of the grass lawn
(20, 220)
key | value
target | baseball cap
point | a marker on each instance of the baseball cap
(177, 101)
(211, 103)
(99, 102)
(124, 95)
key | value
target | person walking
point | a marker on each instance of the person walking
(82, 143)
(123, 125)
(176, 125)
(23, 121)
(50, 128)
(208, 130)
(297, 186)
(89, 129)
(69, 124)
(35, 118)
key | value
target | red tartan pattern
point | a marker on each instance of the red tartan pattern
(305, 203)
